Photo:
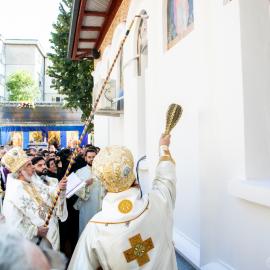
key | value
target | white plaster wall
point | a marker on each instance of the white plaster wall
(232, 134)
(108, 130)
(255, 35)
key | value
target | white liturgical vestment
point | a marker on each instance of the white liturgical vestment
(132, 232)
(26, 207)
(90, 197)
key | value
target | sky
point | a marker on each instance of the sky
(30, 19)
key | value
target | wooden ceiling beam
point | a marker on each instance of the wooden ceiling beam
(90, 28)
(95, 13)
(87, 40)
(84, 50)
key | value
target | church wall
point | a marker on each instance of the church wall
(108, 130)
(233, 138)
(212, 73)
(255, 28)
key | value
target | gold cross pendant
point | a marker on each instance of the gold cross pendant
(139, 249)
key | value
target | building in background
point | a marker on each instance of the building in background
(50, 94)
(2, 69)
(27, 55)
(216, 65)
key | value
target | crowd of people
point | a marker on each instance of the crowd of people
(43, 173)
(107, 223)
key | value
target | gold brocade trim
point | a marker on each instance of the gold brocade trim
(125, 206)
(166, 158)
(34, 194)
(121, 222)
(139, 249)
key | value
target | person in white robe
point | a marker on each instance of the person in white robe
(130, 232)
(91, 195)
(26, 205)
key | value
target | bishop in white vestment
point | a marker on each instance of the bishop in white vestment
(130, 232)
(26, 203)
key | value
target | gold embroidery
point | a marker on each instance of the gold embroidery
(166, 158)
(125, 206)
(34, 194)
(120, 222)
(139, 249)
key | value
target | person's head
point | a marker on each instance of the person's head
(32, 151)
(45, 154)
(52, 148)
(17, 162)
(30, 155)
(89, 156)
(52, 155)
(17, 252)
(80, 150)
(113, 166)
(98, 149)
(65, 154)
(51, 165)
(39, 165)
(25, 172)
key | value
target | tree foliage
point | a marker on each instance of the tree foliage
(70, 78)
(22, 87)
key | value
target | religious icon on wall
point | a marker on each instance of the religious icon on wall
(35, 136)
(17, 138)
(54, 137)
(72, 138)
(180, 20)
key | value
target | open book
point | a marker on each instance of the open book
(74, 183)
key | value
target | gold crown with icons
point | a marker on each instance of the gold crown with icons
(114, 167)
(14, 159)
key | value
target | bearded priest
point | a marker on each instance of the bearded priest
(131, 231)
(25, 207)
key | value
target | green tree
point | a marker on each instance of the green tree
(70, 78)
(21, 87)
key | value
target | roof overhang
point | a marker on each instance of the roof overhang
(90, 22)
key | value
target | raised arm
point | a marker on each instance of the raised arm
(165, 179)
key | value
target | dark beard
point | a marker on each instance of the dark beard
(44, 172)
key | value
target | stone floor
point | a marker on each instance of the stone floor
(182, 264)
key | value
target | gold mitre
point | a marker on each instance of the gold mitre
(113, 166)
(14, 159)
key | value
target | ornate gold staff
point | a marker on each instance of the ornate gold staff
(173, 115)
(90, 119)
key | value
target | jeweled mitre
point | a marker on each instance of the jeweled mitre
(14, 159)
(114, 167)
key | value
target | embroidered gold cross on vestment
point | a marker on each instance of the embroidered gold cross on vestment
(139, 249)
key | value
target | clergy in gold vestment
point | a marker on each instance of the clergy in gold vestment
(26, 204)
(130, 232)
